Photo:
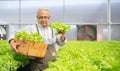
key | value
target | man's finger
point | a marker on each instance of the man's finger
(17, 43)
(15, 49)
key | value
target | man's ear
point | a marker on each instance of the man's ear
(49, 17)
(37, 16)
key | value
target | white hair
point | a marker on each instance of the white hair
(42, 9)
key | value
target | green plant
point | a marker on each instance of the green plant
(59, 26)
(9, 60)
(23, 35)
(87, 56)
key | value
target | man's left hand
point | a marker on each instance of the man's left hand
(62, 38)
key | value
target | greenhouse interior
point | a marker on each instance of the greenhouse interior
(92, 35)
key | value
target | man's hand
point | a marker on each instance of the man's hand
(62, 38)
(14, 45)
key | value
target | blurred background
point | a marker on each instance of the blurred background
(89, 19)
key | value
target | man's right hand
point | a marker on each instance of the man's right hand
(14, 45)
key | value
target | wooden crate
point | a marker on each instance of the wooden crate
(31, 48)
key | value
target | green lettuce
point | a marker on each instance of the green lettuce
(23, 35)
(59, 26)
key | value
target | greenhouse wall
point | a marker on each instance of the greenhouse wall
(16, 13)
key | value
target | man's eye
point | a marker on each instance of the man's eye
(43, 17)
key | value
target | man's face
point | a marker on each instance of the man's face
(43, 18)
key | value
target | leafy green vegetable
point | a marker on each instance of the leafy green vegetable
(9, 60)
(59, 26)
(23, 35)
(87, 56)
(74, 56)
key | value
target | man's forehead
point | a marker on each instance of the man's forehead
(43, 12)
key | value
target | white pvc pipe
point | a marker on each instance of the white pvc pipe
(109, 19)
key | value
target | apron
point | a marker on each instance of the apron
(39, 64)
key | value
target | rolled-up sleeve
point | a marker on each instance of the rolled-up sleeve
(11, 35)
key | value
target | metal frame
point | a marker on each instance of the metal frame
(109, 19)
